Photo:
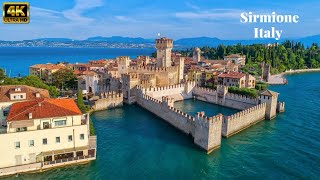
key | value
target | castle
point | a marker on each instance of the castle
(165, 71)
(155, 84)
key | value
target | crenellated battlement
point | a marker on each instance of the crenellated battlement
(152, 69)
(110, 95)
(108, 100)
(158, 89)
(238, 97)
(206, 119)
(130, 76)
(246, 111)
(122, 59)
(163, 43)
(203, 90)
(157, 103)
(237, 122)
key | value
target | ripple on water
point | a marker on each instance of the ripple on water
(134, 144)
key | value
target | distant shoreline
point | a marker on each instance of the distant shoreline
(299, 71)
(279, 79)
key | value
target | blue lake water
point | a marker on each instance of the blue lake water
(135, 144)
(18, 59)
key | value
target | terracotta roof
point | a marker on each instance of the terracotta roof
(43, 108)
(235, 75)
(49, 66)
(5, 92)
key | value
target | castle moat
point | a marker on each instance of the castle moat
(133, 143)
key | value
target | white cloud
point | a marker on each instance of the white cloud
(122, 18)
(192, 6)
(214, 14)
(76, 13)
(44, 13)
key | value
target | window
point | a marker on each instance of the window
(21, 129)
(70, 138)
(45, 125)
(57, 139)
(45, 141)
(31, 143)
(17, 145)
(81, 136)
(60, 123)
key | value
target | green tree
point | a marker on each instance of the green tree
(64, 78)
(2, 75)
(80, 102)
(84, 109)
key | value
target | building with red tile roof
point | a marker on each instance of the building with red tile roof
(43, 108)
(10, 94)
(237, 79)
(45, 133)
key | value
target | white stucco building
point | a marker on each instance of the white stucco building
(45, 133)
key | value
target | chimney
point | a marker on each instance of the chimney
(30, 115)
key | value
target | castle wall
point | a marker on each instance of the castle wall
(108, 101)
(230, 100)
(113, 84)
(175, 117)
(164, 75)
(205, 130)
(207, 133)
(178, 92)
(241, 120)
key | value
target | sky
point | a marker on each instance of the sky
(80, 19)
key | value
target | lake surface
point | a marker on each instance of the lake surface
(18, 59)
(135, 144)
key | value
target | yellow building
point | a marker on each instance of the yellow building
(237, 79)
(211, 78)
(197, 76)
(45, 133)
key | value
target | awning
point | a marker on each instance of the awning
(20, 124)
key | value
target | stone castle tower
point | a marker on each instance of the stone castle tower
(123, 64)
(164, 47)
(271, 99)
(143, 60)
(196, 55)
(181, 69)
(265, 72)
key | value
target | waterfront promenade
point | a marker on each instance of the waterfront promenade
(279, 79)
